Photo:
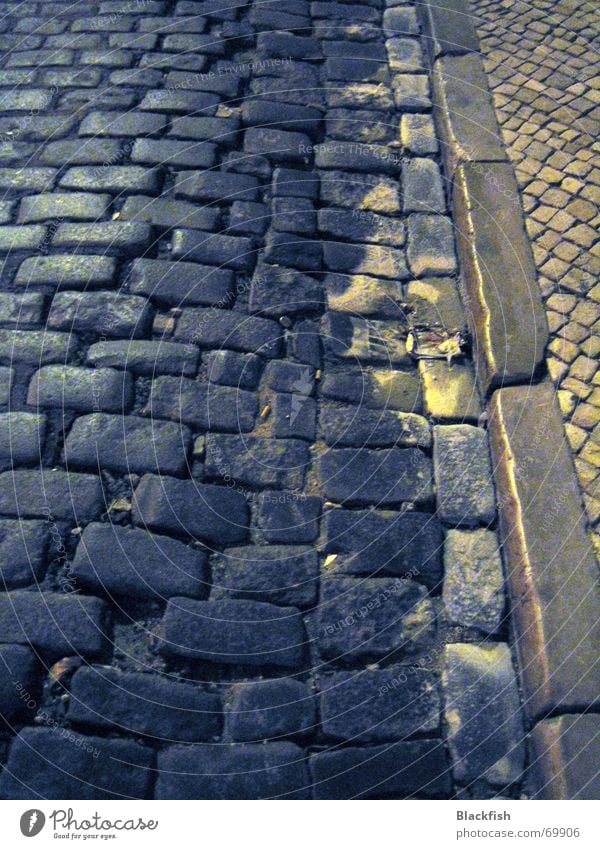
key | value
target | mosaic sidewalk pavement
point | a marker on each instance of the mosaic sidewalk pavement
(543, 65)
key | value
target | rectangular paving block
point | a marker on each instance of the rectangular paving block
(56, 763)
(550, 565)
(181, 284)
(463, 475)
(202, 406)
(360, 477)
(213, 514)
(221, 328)
(18, 674)
(57, 624)
(135, 563)
(257, 461)
(448, 27)
(81, 389)
(23, 547)
(250, 633)
(51, 494)
(141, 703)
(272, 771)
(565, 752)
(416, 769)
(506, 313)
(464, 112)
(67, 271)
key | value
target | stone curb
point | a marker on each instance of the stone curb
(550, 567)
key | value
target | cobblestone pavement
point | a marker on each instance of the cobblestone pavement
(543, 67)
(248, 532)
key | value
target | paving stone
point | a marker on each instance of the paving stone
(78, 206)
(251, 633)
(450, 391)
(203, 406)
(300, 119)
(60, 764)
(365, 226)
(293, 251)
(168, 152)
(356, 157)
(285, 376)
(22, 309)
(67, 271)
(463, 475)
(364, 476)
(6, 382)
(118, 179)
(278, 574)
(367, 296)
(143, 704)
(18, 676)
(24, 237)
(262, 710)
(23, 547)
(56, 624)
(359, 427)
(400, 20)
(295, 416)
(129, 238)
(165, 214)
(404, 55)
(375, 260)
(287, 517)
(411, 92)
(373, 618)
(233, 369)
(431, 245)
(181, 284)
(359, 191)
(294, 215)
(361, 125)
(234, 252)
(126, 444)
(220, 131)
(277, 290)
(474, 593)
(145, 358)
(248, 217)
(434, 302)
(180, 102)
(81, 152)
(378, 389)
(134, 563)
(289, 182)
(562, 766)
(485, 730)
(508, 322)
(277, 145)
(50, 494)
(449, 28)
(132, 124)
(100, 313)
(21, 438)
(288, 45)
(85, 390)
(422, 187)
(464, 112)
(214, 328)
(35, 347)
(273, 771)
(213, 514)
(413, 769)
(417, 133)
(374, 705)
(379, 543)
(257, 461)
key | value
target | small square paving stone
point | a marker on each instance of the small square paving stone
(474, 593)
(417, 133)
(484, 743)
(404, 55)
(262, 710)
(233, 369)
(373, 618)
(375, 705)
(422, 187)
(23, 547)
(411, 92)
(431, 245)
(21, 438)
(451, 392)
(288, 517)
(463, 475)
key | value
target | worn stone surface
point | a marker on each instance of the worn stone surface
(270, 709)
(483, 714)
(564, 753)
(474, 584)
(463, 475)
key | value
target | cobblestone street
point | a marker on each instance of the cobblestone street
(249, 536)
(543, 68)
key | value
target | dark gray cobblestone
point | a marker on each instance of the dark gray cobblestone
(233, 509)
